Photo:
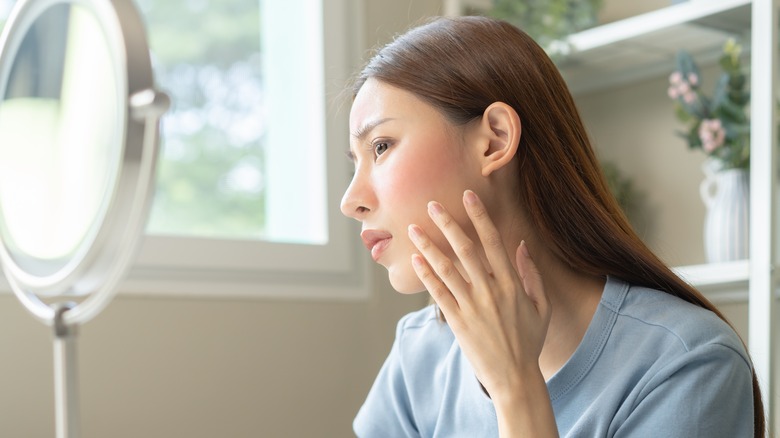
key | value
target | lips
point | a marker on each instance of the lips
(376, 241)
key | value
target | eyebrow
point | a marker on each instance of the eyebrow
(368, 127)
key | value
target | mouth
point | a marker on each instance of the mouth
(376, 241)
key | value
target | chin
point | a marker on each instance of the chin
(405, 281)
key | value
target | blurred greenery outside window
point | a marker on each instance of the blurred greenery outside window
(243, 146)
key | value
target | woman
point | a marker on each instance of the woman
(475, 180)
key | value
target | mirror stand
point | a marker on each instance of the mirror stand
(80, 69)
(66, 391)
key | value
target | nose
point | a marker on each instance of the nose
(359, 199)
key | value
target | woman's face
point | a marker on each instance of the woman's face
(406, 154)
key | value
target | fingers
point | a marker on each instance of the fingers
(438, 291)
(493, 244)
(466, 250)
(439, 273)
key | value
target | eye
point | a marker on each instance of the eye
(380, 147)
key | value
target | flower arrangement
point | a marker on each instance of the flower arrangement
(718, 125)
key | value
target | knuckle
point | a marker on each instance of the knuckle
(467, 249)
(479, 212)
(437, 291)
(426, 275)
(446, 221)
(445, 268)
(493, 239)
(423, 243)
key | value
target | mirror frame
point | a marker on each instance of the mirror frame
(96, 270)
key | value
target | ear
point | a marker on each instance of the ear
(500, 129)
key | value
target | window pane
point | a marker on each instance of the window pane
(228, 71)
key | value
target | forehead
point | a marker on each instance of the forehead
(377, 100)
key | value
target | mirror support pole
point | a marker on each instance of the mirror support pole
(66, 400)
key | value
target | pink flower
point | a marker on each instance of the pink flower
(712, 134)
(693, 79)
(680, 88)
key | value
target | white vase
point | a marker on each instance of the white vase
(726, 194)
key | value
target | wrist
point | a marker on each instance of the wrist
(524, 408)
(525, 386)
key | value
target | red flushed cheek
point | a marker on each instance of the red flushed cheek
(407, 186)
(427, 169)
(412, 183)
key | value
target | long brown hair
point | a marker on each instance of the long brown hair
(461, 66)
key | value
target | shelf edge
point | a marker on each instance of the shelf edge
(638, 25)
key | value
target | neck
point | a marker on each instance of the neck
(574, 298)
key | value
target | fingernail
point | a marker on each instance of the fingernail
(470, 197)
(524, 249)
(435, 208)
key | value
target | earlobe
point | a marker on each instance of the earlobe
(501, 124)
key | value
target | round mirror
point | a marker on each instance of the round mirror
(60, 104)
(78, 143)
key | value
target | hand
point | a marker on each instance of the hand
(500, 314)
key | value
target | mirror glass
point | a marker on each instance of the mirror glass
(60, 120)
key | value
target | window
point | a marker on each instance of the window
(251, 169)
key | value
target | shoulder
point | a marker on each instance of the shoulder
(418, 319)
(424, 346)
(684, 371)
(676, 325)
(423, 330)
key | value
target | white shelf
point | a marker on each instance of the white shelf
(645, 46)
(719, 282)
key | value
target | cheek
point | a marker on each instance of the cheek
(409, 192)
(423, 176)
(405, 185)
(413, 183)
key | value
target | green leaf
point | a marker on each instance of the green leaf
(686, 64)
(720, 95)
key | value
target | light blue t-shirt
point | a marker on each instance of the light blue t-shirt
(649, 365)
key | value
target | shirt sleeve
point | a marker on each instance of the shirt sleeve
(387, 410)
(706, 392)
